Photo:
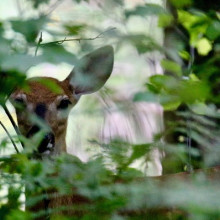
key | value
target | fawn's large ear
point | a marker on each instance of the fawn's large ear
(92, 71)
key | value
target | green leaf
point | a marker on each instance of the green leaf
(29, 28)
(74, 29)
(9, 80)
(171, 67)
(174, 90)
(169, 102)
(192, 91)
(145, 97)
(201, 108)
(184, 54)
(139, 151)
(213, 30)
(18, 214)
(170, 105)
(78, 1)
(181, 3)
(203, 46)
(163, 83)
(165, 20)
(196, 24)
(5, 46)
(37, 3)
(20, 62)
(148, 9)
(50, 85)
(54, 53)
(142, 43)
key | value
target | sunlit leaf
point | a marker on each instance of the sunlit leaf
(184, 54)
(195, 24)
(203, 46)
(171, 67)
(165, 20)
(50, 85)
(170, 105)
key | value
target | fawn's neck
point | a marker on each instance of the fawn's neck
(60, 143)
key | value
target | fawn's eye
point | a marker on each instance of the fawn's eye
(64, 104)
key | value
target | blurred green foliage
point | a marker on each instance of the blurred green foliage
(189, 89)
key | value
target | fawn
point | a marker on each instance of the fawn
(89, 75)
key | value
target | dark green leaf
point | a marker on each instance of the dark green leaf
(181, 3)
(54, 53)
(37, 3)
(142, 43)
(29, 28)
(74, 29)
(213, 30)
(148, 9)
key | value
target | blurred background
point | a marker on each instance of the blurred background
(158, 112)
(111, 112)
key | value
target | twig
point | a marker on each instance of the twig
(38, 43)
(12, 122)
(62, 41)
(12, 141)
(78, 39)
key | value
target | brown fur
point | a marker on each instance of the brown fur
(39, 93)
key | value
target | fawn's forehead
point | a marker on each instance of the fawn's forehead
(44, 90)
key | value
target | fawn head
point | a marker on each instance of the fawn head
(40, 105)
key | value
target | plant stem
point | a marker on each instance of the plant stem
(12, 141)
(12, 122)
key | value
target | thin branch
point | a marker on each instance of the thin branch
(12, 122)
(78, 39)
(38, 43)
(12, 141)
(62, 41)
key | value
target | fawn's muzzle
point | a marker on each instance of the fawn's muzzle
(47, 143)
